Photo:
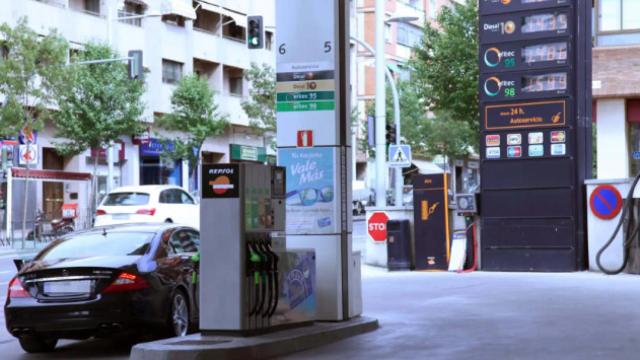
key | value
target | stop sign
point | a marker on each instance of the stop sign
(377, 226)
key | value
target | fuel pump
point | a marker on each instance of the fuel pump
(631, 225)
(249, 281)
(468, 208)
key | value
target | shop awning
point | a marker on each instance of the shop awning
(423, 167)
(239, 19)
(54, 175)
(178, 7)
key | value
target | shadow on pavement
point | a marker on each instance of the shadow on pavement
(104, 348)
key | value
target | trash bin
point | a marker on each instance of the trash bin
(398, 245)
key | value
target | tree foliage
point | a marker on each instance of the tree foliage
(98, 103)
(195, 116)
(446, 77)
(29, 68)
(261, 106)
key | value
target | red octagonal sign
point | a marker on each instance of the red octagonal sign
(377, 226)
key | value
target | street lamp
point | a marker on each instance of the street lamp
(381, 70)
(166, 7)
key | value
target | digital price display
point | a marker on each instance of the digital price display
(525, 26)
(502, 6)
(524, 85)
(555, 52)
(544, 23)
(528, 55)
(546, 82)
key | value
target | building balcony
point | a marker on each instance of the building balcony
(231, 105)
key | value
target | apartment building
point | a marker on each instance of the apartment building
(212, 45)
(400, 38)
(616, 87)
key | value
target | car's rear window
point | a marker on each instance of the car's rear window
(98, 244)
(126, 199)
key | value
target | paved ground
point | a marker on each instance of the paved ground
(495, 316)
(455, 316)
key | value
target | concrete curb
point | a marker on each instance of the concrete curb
(269, 345)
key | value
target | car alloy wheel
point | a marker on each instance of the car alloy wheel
(179, 314)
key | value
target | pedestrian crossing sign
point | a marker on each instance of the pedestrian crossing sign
(399, 156)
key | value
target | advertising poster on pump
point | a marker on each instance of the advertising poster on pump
(311, 189)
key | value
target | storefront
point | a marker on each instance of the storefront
(247, 153)
(154, 168)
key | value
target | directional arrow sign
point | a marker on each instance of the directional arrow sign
(399, 156)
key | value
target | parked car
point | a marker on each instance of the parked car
(106, 281)
(148, 203)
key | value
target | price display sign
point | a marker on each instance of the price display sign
(525, 85)
(505, 6)
(526, 26)
(534, 85)
(525, 55)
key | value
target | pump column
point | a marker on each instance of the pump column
(313, 140)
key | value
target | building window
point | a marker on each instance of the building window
(235, 85)
(408, 35)
(433, 9)
(175, 20)
(131, 9)
(233, 31)
(416, 4)
(387, 32)
(171, 71)
(618, 15)
(92, 6)
(268, 43)
(633, 118)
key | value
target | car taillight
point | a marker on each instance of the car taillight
(100, 212)
(126, 282)
(16, 290)
(150, 212)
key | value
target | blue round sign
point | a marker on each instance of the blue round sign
(606, 202)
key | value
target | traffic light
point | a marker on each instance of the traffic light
(136, 69)
(391, 134)
(255, 32)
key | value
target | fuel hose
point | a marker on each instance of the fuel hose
(627, 214)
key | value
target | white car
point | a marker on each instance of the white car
(148, 203)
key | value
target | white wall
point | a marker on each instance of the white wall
(613, 144)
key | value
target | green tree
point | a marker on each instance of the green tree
(29, 68)
(195, 115)
(261, 106)
(412, 117)
(97, 104)
(446, 76)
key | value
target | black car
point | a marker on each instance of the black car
(106, 281)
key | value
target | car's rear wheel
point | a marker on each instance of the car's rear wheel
(179, 316)
(37, 344)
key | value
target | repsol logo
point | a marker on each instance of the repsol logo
(221, 171)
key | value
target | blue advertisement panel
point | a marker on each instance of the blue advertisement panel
(311, 188)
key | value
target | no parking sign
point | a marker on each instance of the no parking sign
(605, 202)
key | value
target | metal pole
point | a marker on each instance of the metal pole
(399, 181)
(110, 154)
(396, 119)
(381, 164)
